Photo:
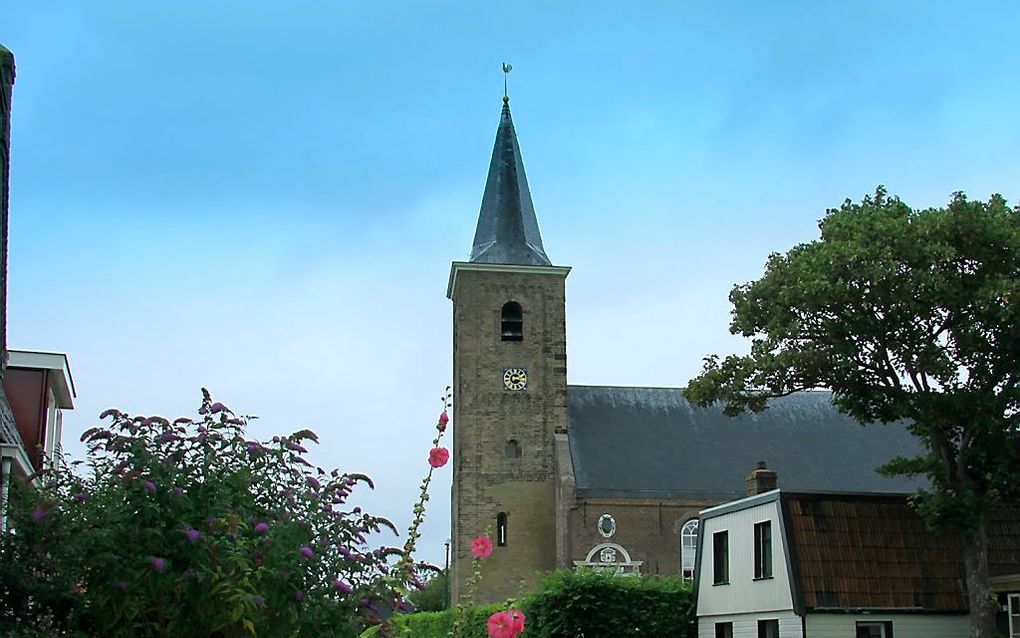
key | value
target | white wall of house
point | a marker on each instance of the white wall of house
(743, 593)
(746, 625)
(904, 625)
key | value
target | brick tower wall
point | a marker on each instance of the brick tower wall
(6, 91)
(487, 416)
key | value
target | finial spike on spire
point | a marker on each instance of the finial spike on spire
(506, 73)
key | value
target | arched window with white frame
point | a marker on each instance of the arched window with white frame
(688, 548)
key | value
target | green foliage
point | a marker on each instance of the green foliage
(438, 624)
(433, 596)
(908, 316)
(188, 529)
(581, 603)
(588, 603)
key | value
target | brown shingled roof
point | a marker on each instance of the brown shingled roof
(874, 552)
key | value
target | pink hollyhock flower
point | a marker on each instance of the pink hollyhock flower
(193, 535)
(516, 620)
(501, 625)
(444, 418)
(158, 564)
(481, 547)
(149, 486)
(438, 456)
(306, 551)
(262, 528)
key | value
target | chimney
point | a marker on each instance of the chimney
(761, 479)
(6, 88)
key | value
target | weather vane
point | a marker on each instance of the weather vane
(506, 72)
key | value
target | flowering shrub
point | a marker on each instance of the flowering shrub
(190, 528)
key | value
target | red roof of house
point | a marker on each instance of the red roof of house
(875, 552)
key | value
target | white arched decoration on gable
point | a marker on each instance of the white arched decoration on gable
(610, 557)
(688, 548)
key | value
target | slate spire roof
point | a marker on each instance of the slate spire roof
(507, 231)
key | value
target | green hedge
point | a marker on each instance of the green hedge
(581, 603)
(586, 603)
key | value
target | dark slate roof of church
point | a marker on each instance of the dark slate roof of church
(651, 442)
(507, 231)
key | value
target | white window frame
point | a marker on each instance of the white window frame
(881, 627)
(689, 532)
(1014, 619)
(761, 557)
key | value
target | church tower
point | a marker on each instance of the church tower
(510, 385)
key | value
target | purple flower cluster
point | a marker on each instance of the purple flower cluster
(342, 587)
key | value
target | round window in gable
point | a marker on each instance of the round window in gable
(607, 525)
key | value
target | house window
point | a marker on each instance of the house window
(724, 630)
(874, 629)
(721, 558)
(1014, 616)
(688, 548)
(513, 449)
(501, 529)
(768, 628)
(763, 549)
(512, 322)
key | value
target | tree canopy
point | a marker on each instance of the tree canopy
(908, 316)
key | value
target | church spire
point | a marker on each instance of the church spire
(507, 231)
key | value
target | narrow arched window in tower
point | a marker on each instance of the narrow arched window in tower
(512, 322)
(501, 529)
(513, 449)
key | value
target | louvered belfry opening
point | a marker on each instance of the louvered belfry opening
(512, 322)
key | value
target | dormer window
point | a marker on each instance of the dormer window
(512, 322)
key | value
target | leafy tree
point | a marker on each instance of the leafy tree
(433, 596)
(192, 529)
(908, 316)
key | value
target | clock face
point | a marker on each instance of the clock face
(515, 379)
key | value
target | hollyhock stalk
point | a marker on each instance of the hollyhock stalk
(402, 576)
(468, 597)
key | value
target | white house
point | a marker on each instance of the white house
(827, 565)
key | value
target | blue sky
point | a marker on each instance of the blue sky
(264, 198)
